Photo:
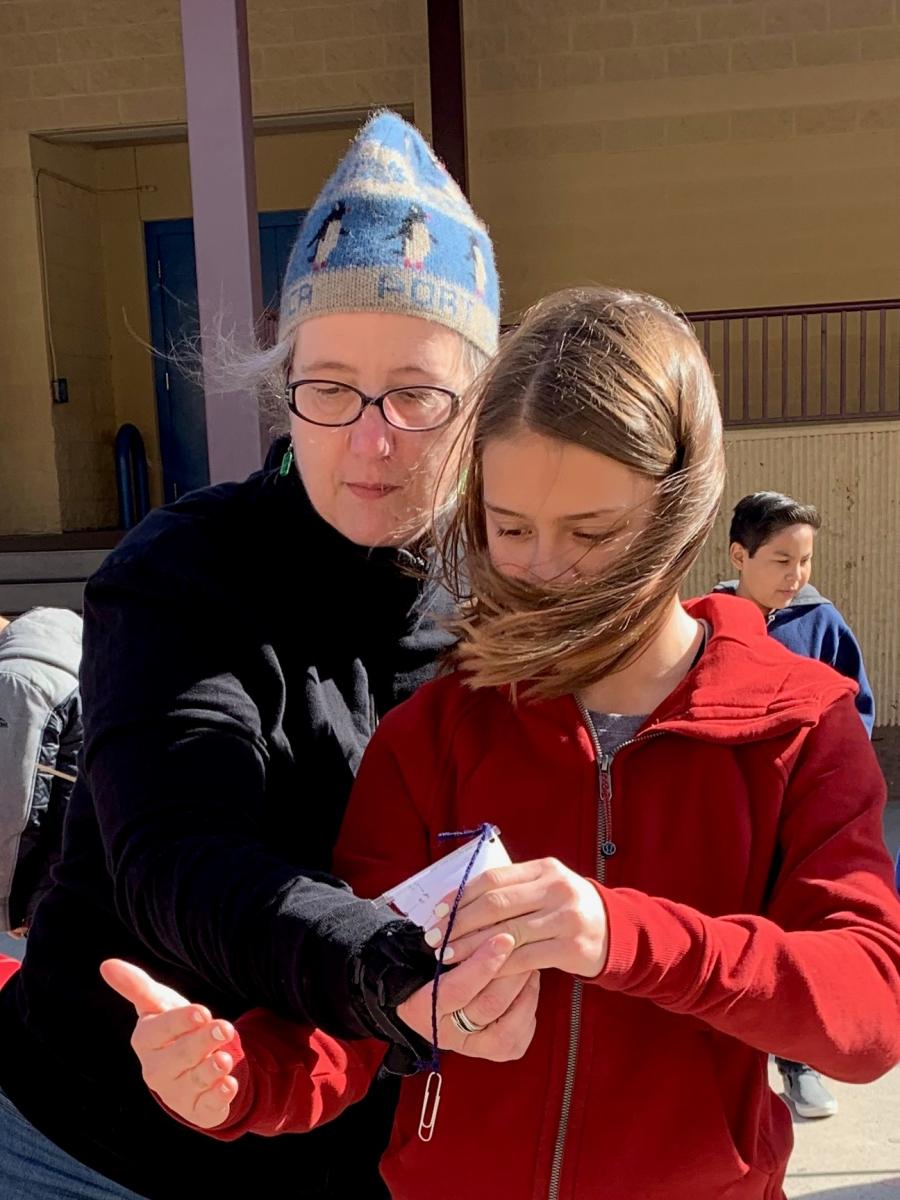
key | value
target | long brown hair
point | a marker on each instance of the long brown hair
(622, 374)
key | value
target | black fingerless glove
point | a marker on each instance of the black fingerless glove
(393, 964)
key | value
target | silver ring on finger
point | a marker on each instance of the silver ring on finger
(464, 1023)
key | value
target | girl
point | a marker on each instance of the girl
(693, 813)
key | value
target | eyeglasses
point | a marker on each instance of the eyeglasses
(414, 409)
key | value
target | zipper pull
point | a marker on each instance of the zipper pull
(608, 847)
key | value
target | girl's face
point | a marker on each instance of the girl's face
(556, 511)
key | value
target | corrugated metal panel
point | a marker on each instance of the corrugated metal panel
(852, 474)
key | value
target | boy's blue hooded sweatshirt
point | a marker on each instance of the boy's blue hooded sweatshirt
(813, 627)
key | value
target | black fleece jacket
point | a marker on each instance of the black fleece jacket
(237, 654)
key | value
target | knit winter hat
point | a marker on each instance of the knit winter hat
(392, 232)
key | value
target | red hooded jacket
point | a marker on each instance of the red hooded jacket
(751, 910)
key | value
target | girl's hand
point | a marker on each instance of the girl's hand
(179, 1045)
(556, 918)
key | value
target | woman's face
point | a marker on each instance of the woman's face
(375, 484)
(556, 511)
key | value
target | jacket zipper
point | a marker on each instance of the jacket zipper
(606, 848)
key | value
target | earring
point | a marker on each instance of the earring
(287, 462)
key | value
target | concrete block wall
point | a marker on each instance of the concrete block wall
(116, 64)
(721, 154)
(322, 55)
(29, 494)
(68, 65)
(84, 426)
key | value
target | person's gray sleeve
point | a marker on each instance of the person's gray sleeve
(24, 712)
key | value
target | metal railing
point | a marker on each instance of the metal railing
(800, 363)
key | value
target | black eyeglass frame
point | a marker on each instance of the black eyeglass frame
(369, 401)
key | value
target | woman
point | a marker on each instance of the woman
(239, 648)
(693, 813)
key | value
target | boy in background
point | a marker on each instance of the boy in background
(771, 547)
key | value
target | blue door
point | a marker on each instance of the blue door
(174, 324)
(277, 234)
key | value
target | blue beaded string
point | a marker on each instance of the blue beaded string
(483, 833)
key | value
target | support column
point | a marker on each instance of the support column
(226, 225)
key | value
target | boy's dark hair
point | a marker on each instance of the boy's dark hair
(759, 517)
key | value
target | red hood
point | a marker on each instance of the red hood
(746, 684)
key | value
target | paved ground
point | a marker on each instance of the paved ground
(855, 1155)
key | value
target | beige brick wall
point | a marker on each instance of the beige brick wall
(109, 64)
(29, 497)
(71, 64)
(719, 154)
(322, 55)
(120, 172)
(77, 333)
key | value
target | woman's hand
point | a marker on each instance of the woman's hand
(506, 1007)
(555, 917)
(179, 1045)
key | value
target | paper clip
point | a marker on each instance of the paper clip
(432, 1097)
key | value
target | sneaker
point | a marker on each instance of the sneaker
(804, 1088)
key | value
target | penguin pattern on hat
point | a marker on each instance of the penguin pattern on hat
(392, 232)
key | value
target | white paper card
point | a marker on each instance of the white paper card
(417, 897)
